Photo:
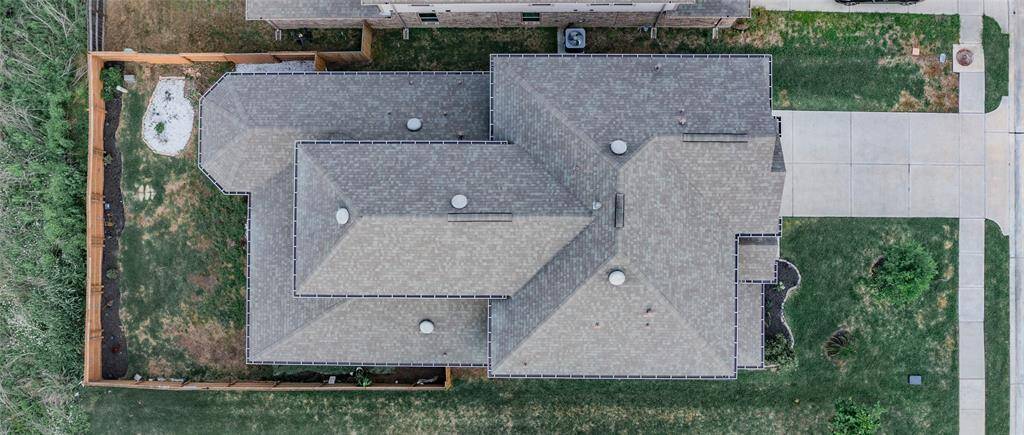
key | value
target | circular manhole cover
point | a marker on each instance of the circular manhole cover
(964, 57)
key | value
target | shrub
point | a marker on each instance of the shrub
(361, 378)
(853, 418)
(904, 272)
(160, 128)
(777, 351)
(112, 78)
(839, 344)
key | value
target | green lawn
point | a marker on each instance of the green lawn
(997, 66)
(833, 255)
(997, 330)
(182, 259)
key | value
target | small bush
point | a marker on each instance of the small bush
(112, 78)
(778, 352)
(362, 379)
(904, 273)
(853, 418)
(160, 128)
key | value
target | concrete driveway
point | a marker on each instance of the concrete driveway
(871, 164)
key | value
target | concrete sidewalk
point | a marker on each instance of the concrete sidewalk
(897, 164)
(971, 312)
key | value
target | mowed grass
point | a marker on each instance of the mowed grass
(997, 330)
(997, 63)
(182, 258)
(833, 256)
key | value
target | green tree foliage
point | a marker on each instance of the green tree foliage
(853, 418)
(42, 225)
(905, 271)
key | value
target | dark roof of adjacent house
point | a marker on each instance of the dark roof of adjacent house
(702, 172)
(336, 9)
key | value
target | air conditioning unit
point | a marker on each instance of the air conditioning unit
(575, 40)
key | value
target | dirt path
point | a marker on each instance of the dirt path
(115, 355)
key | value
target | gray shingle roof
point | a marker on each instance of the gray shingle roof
(398, 194)
(698, 173)
(278, 109)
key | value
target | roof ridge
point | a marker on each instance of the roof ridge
(329, 184)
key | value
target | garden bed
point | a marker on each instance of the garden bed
(775, 299)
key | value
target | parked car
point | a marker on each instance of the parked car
(857, 2)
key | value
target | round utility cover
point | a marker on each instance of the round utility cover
(617, 277)
(619, 147)
(414, 124)
(460, 201)
(342, 216)
(426, 326)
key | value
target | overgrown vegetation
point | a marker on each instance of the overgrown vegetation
(997, 63)
(856, 419)
(777, 352)
(42, 226)
(112, 78)
(832, 255)
(903, 273)
(182, 254)
(997, 330)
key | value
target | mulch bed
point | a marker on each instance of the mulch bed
(114, 356)
(400, 375)
(774, 297)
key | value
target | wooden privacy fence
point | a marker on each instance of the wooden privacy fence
(93, 375)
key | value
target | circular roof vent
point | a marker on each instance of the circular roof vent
(617, 277)
(342, 216)
(426, 326)
(460, 201)
(414, 124)
(619, 147)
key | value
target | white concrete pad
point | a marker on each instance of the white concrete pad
(934, 138)
(978, 61)
(821, 137)
(972, 92)
(971, 304)
(879, 137)
(972, 139)
(972, 191)
(934, 7)
(934, 191)
(997, 178)
(971, 7)
(972, 269)
(817, 5)
(970, 29)
(972, 421)
(972, 236)
(776, 5)
(971, 349)
(881, 190)
(999, 120)
(787, 194)
(821, 189)
(972, 394)
(1000, 11)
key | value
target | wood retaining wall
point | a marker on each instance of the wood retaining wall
(93, 374)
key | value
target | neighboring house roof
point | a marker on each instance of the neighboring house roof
(337, 9)
(676, 213)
